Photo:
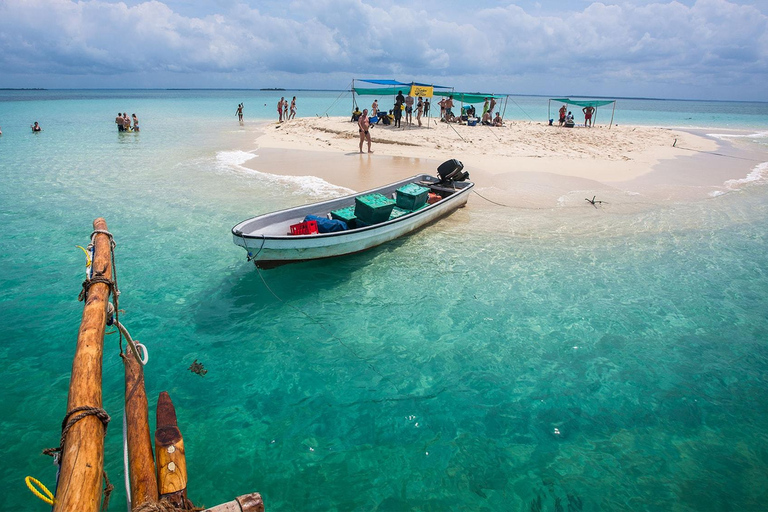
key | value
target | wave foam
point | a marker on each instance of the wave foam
(234, 158)
(306, 185)
(756, 135)
(759, 173)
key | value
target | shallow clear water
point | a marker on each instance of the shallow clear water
(503, 359)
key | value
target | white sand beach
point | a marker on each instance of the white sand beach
(525, 163)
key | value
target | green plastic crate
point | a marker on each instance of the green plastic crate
(398, 212)
(373, 208)
(411, 196)
(347, 215)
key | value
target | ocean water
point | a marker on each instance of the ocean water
(567, 359)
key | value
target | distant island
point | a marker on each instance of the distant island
(272, 89)
(22, 89)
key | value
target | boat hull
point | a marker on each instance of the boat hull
(268, 251)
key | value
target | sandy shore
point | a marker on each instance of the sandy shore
(529, 163)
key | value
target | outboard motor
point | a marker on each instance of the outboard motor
(450, 171)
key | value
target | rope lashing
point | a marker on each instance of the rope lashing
(69, 421)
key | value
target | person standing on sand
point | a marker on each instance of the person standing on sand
(375, 108)
(364, 125)
(562, 114)
(409, 109)
(280, 110)
(293, 108)
(426, 107)
(419, 110)
(399, 100)
(588, 111)
(239, 112)
(448, 109)
(491, 105)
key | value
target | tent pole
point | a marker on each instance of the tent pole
(353, 95)
(614, 110)
(549, 116)
(504, 112)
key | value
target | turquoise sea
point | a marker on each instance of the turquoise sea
(567, 359)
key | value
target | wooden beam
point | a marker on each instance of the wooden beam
(246, 503)
(140, 457)
(169, 452)
(82, 456)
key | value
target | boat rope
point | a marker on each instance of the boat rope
(97, 276)
(45, 495)
(323, 327)
(252, 257)
(126, 465)
(166, 506)
(68, 422)
(108, 488)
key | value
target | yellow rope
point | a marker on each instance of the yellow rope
(87, 256)
(48, 497)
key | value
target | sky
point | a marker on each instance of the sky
(689, 49)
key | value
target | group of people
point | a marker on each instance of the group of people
(123, 122)
(469, 112)
(403, 104)
(282, 109)
(567, 119)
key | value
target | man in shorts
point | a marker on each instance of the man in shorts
(409, 109)
(364, 125)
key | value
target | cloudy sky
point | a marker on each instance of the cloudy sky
(696, 49)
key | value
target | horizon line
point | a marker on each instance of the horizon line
(273, 89)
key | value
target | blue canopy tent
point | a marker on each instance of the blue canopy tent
(583, 103)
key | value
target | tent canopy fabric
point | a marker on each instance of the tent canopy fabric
(584, 103)
(467, 97)
(381, 91)
(396, 84)
(383, 82)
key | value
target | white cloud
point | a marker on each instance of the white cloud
(618, 49)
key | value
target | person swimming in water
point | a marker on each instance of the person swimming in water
(36, 127)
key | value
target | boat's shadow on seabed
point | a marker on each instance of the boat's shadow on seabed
(250, 291)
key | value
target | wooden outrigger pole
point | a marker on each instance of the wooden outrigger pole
(140, 457)
(81, 451)
(82, 448)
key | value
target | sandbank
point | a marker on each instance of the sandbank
(524, 163)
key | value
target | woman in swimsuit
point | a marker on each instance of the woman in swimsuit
(364, 125)
(135, 122)
(293, 108)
